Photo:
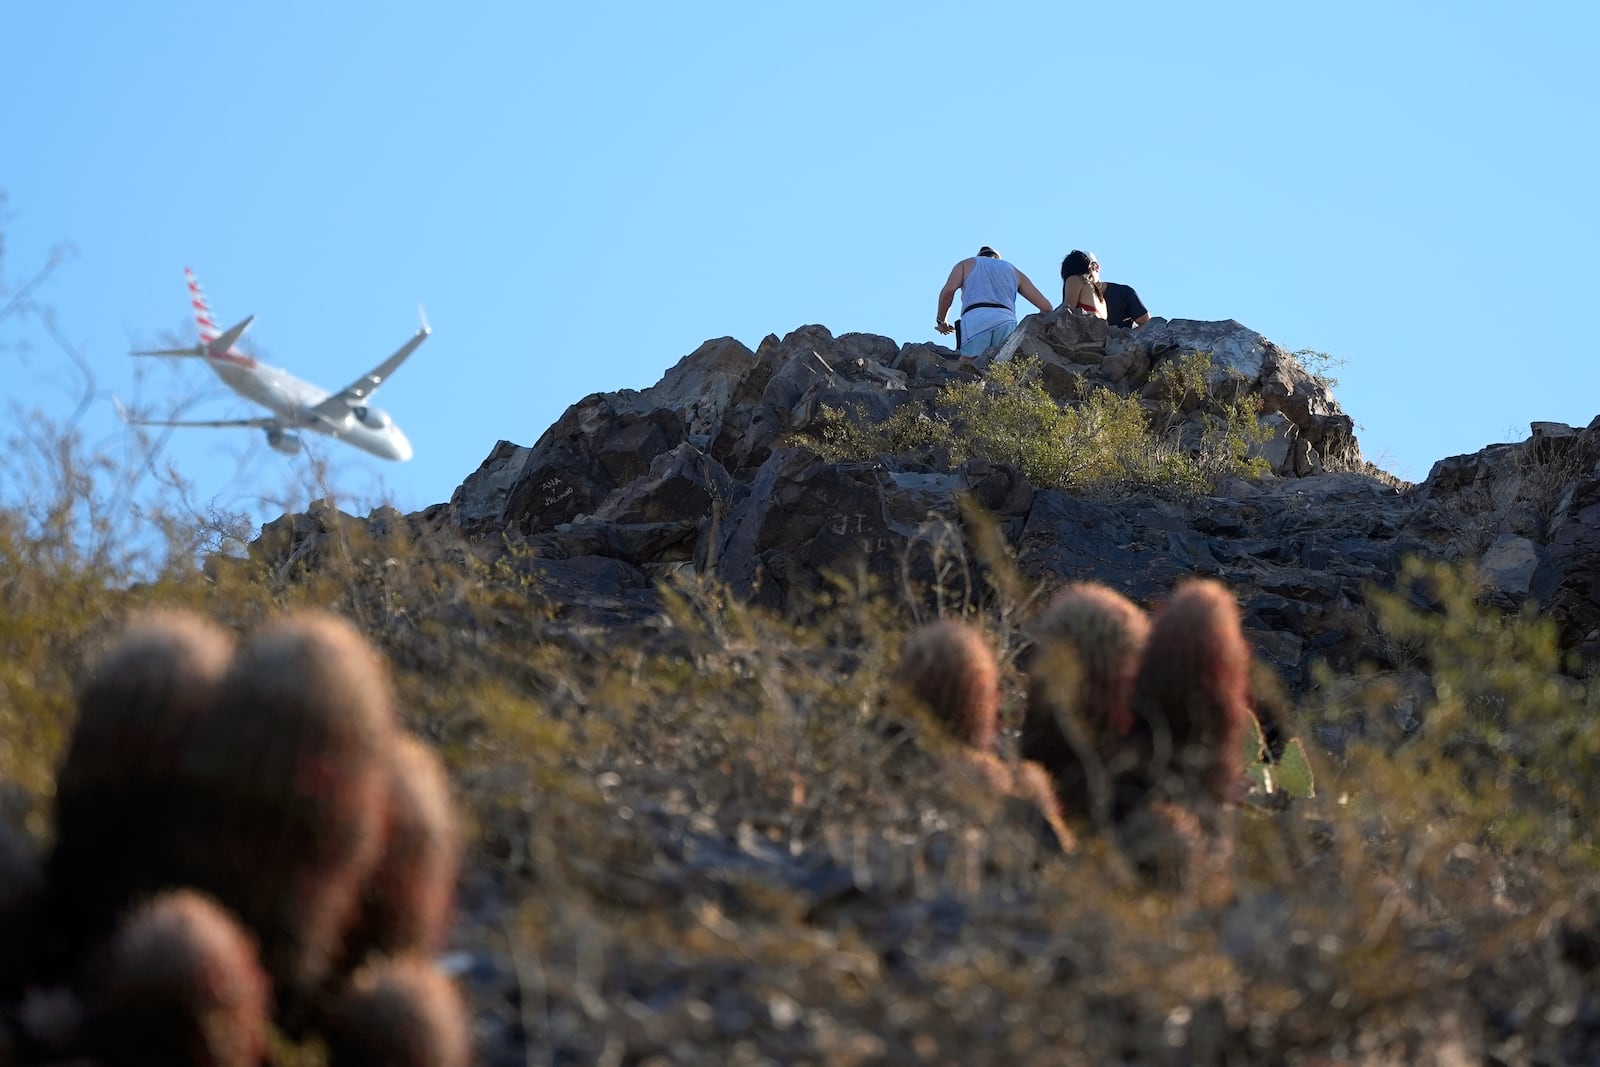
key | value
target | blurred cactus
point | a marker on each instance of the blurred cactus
(181, 985)
(1191, 697)
(948, 667)
(113, 790)
(1032, 785)
(282, 793)
(1186, 745)
(1138, 721)
(407, 900)
(1101, 633)
(398, 1013)
(1175, 849)
(1086, 647)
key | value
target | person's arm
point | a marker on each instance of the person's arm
(1027, 289)
(1141, 314)
(958, 274)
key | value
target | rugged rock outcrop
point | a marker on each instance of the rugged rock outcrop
(709, 470)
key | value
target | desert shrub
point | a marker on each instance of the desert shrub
(70, 564)
(909, 428)
(1508, 747)
(1230, 427)
(1105, 442)
(1318, 364)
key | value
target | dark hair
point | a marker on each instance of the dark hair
(987, 251)
(1076, 263)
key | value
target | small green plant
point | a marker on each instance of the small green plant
(1317, 364)
(1230, 427)
(1290, 774)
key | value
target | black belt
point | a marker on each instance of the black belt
(969, 307)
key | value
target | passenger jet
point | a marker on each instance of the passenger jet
(296, 405)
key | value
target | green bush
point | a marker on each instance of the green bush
(1104, 443)
(1318, 364)
(1508, 744)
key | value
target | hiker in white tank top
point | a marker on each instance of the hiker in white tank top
(989, 287)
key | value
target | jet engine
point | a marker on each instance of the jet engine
(372, 418)
(287, 443)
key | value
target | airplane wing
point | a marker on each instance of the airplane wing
(364, 386)
(195, 351)
(263, 423)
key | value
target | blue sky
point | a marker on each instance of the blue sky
(580, 194)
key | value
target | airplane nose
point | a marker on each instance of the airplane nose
(401, 447)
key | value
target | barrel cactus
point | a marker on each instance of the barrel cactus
(180, 984)
(136, 710)
(398, 1013)
(948, 667)
(282, 793)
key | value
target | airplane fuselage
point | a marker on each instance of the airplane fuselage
(293, 400)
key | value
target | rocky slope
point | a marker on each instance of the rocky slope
(711, 890)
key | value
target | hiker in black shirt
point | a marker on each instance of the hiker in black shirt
(1123, 306)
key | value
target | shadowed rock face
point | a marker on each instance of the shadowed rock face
(597, 446)
(707, 471)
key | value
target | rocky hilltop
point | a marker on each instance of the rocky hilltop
(714, 470)
(709, 471)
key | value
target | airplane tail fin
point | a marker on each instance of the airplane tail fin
(214, 343)
(202, 311)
